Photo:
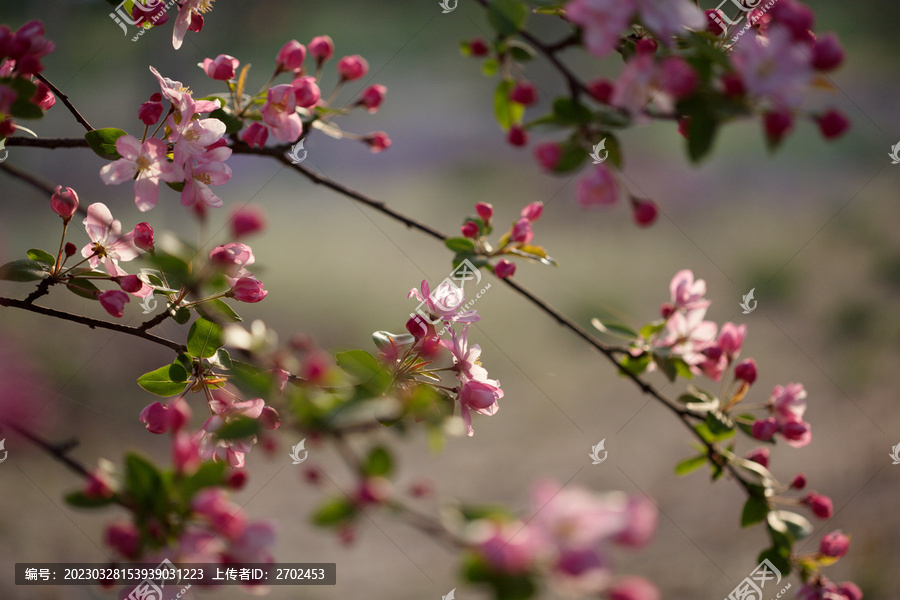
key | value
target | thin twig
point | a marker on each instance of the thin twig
(58, 451)
(65, 100)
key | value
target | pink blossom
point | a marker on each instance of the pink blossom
(43, 98)
(633, 588)
(641, 518)
(764, 429)
(444, 303)
(248, 289)
(466, 359)
(372, 97)
(504, 269)
(788, 402)
(113, 301)
(601, 90)
(601, 21)
(26, 47)
(148, 161)
(124, 538)
(353, 67)
(192, 137)
(521, 232)
(573, 517)
(637, 85)
(306, 91)
(225, 407)
(834, 544)
(479, 396)
(667, 18)
(688, 335)
(533, 211)
(150, 112)
(246, 220)
(773, 67)
(795, 17)
(255, 134)
(160, 418)
(469, 229)
(154, 13)
(232, 258)
(676, 77)
(507, 547)
(746, 371)
(130, 283)
(378, 141)
(599, 188)
(827, 53)
(222, 68)
(819, 504)
(290, 57)
(714, 362)
(143, 236)
(98, 485)
(731, 338)
(189, 17)
(485, 211)
(185, 453)
(64, 203)
(172, 90)
(226, 517)
(210, 170)
(686, 292)
(252, 545)
(548, 155)
(279, 113)
(108, 245)
(321, 48)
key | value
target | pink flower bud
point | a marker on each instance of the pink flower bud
(232, 257)
(248, 289)
(236, 479)
(834, 544)
(548, 155)
(372, 97)
(642, 518)
(778, 123)
(269, 418)
(746, 371)
(733, 85)
(478, 47)
(827, 53)
(796, 433)
(684, 126)
(666, 310)
(820, 505)
(796, 17)
(373, 490)
(601, 90)
(764, 429)
(521, 232)
(124, 538)
(799, 481)
(597, 188)
(143, 236)
(7, 128)
(485, 211)
(196, 24)
(422, 488)
(130, 283)
(759, 455)
(255, 134)
(714, 23)
(524, 92)
(469, 229)
(533, 211)
(290, 57)
(644, 211)
(150, 112)
(222, 68)
(321, 48)
(646, 46)
(306, 91)
(378, 141)
(850, 591)
(247, 220)
(633, 588)
(113, 301)
(98, 485)
(70, 249)
(680, 77)
(185, 453)
(351, 68)
(833, 124)
(64, 202)
(43, 98)
(504, 269)
(517, 136)
(155, 417)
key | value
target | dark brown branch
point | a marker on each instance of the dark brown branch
(65, 100)
(33, 180)
(92, 323)
(57, 451)
(47, 142)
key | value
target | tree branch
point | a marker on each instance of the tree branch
(47, 142)
(65, 100)
(57, 451)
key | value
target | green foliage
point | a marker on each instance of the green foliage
(41, 256)
(239, 428)
(507, 112)
(103, 142)
(166, 381)
(372, 378)
(756, 509)
(378, 463)
(204, 338)
(689, 465)
(333, 512)
(23, 270)
(507, 17)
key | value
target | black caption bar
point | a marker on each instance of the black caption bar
(168, 575)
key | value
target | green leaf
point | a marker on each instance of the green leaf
(792, 524)
(651, 329)
(144, 483)
(103, 142)
(370, 374)
(701, 133)
(707, 434)
(79, 500)
(521, 51)
(23, 270)
(755, 510)
(636, 364)
(379, 463)
(666, 366)
(166, 381)
(182, 315)
(571, 112)
(22, 108)
(221, 360)
(779, 558)
(218, 310)
(460, 244)
(209, 474)
(535, 253)
(41, 256)
(178, 186)
(507, 16)
(238, 429)
(232, 123)
(490, 67)
(82, 287)
(718, 423)
(614, 328)
(507, 112)
(333, 512)
(204, 338)
(690, 465)
(250, 379)
(573, 156)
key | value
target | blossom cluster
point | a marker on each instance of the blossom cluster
(20, 60)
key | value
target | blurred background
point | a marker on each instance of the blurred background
(812, 229)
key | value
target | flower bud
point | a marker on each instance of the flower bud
(248, 289)
(351, 68)
(524, 93)
(236, 479)
(799, 481)
(778, 123)
(150, 112)
(485, 211)
(290, 57)
(646, 46)
(321, 48)
(521, 232)
(733, 85)
(601, 90)
(478, 47)
(130, 283)
(98, 485)
(247, 220)
(759, 455)
(764, 429)
(850, 591)
(64, 202)
(827, 53)
(222, 68)
(70, 249)
(644, 211)
(113, 301)
(517, 136)
(43, 98)
(746, 371)
(533, 211)
(548, 155)
(143, 236)
(255, 134)
(378, 141)
(633, 588)
(155, 417)
(185, 453)
(834, 544)
(820, 505)
(796, 17)
(469, 229)
(504, 269)
(833, 124)
(124, 538)
(714, 23)
(666, 310)
(372, 97)
(306, 91)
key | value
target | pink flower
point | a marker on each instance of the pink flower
(372, 97)
(321, 48)
(796, 433)
(107, 242)
(255, 134)
(601, 21)
(548, 155)
(252, 546)
(444, 303)
(827, 53)
(226, 517)
(232, 258)
(353, 67)
(143, 236)
(746, 371)
(150, 112)
(279, 113)
(248, 289)
(189, 17)
(764, 429)
(113, 301)
(43, 98)
(160, 418)
(485, 211)
(222, 68)
(633, 588)
(676, 77)
(192, 137)
(378, 141)
(64, 203)
(290, 57)
(210, 170)
(247, 220)
(124, 538)
(795, 17)
(819, 504)
(688, 335)
(507, 547)
(130, 283)
(834, 544)
(186, 453)
(533, 211)
(667, 18)
(599, 187)
(774, 67)
(731, 338)
(521, 232)
(504, 269)
(641, 518)
(714, 362)
(148, 161)
(306, 91)
(638, 85)
(466, 359)
(788, 402)
(687, 293)
(225, 407)
(524, 92)
(478, 396)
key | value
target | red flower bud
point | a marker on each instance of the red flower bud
(834, 544)
(778, 124)
(485, 211)
(746, 370)
(143, 236)
(290, 57)
(759, 455)
(827, 53)
(820, 505)
(645, 211)
(64, 203)
(799, 481)
(504, 269)
(548, 155)
(321, 48)
(130, 283)
(70, 249)
(469, 229)
(351, 68)
(833, 124)
(601, 90)
(372, 97)
(478, 47)
(524, 92)
(517, 136)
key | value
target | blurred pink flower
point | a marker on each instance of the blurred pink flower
(601, 21)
